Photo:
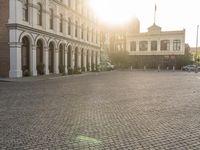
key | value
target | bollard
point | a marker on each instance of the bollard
(145, 68)
(174, 68)
(158, 68)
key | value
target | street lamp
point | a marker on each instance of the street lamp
(197, 38)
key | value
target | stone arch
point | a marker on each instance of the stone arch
(40, 37)
(30, 36)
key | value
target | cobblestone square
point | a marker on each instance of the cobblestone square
(119, 110)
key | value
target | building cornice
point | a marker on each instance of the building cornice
(38, 31)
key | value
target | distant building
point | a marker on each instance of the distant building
(150, 49)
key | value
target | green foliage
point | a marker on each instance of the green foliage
(62, 69)
(77, 70)
(120, 59)
(70, 71)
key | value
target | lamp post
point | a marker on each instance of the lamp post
(197, 38)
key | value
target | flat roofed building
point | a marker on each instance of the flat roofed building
(156, 42)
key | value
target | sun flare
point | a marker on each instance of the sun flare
(117, 11)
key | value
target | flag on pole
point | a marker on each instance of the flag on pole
(155, 13)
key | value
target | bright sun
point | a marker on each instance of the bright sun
(117, 11)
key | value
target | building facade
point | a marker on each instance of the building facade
(48, 36)
(150, 49)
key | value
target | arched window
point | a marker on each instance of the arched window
(25, 10)
(76, 29)
(69, 26)
(61, 23)
(51, 18)
(39, 14)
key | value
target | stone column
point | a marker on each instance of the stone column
(66, 61)
(89, 60)
(33, 62)
(137, 46)
(158, 46)
(15, 60)
(149, 46)
(56, 55)
(72, 59)
(171, 46)
(46, 60)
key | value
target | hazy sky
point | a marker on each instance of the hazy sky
(171, 14)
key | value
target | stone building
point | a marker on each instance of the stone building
(47, 36)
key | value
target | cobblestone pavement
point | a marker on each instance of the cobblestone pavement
(118, 110)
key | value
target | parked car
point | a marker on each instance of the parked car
(191, 68)
(109, 66)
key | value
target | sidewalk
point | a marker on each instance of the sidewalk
(40, 78)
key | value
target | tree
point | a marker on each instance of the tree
(120, 59)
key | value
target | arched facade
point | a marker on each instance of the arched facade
(42, 48)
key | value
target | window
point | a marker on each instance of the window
(39, 14)
(69, 26)
(76, 4)
(61, 23)
(143, 45)
(176, 45)
(87, 33)
(51, 18)
(69, 3)
(153, 45)
(25, 10)
(97, 37)
(76, 29)
(92, 35)
(133, 46)
(82, 31)
(165, 45)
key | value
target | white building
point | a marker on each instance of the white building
(47, 35)
(156, 42)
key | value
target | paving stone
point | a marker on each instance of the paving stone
(104, 111)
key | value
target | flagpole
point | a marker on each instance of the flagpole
(155, 14)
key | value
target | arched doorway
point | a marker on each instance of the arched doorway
(87, 63)
(82, 60)
(92, 61)
(69, 57)
(96, 60)
(39, 57)
(76, 58)
(61, 59)
(25, 56)
(51, 57)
